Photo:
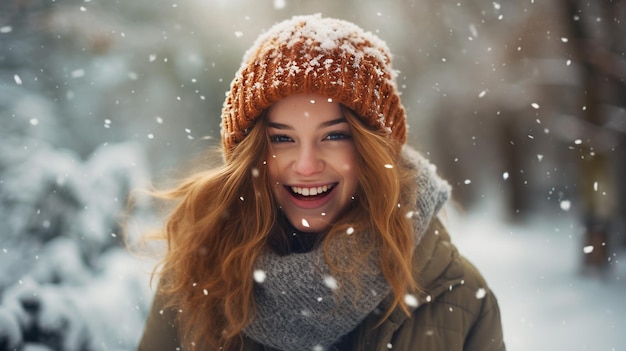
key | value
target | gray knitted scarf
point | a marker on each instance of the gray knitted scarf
(297, 308)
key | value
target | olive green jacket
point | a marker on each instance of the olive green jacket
(460, 313)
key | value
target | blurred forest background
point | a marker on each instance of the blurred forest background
(520, 103)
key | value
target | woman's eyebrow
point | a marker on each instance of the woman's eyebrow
(326, 124)
(279, 126)
(333, 122)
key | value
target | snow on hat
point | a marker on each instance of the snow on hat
(313, 54)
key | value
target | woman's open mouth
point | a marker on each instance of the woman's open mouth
(311, 193)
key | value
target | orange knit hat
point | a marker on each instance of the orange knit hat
(313, 54)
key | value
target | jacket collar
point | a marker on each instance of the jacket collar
(435, 271)
(433, 268)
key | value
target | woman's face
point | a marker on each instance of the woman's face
(312, 162)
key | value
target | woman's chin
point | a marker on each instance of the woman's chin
(309, 225)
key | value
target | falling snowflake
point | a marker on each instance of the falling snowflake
(588, 249)
(78, 73)
(410, 300)
(481, 293)
(330, 282)
(259, 276)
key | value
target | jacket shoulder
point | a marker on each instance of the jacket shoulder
(460, 312)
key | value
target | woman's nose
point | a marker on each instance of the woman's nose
(308, 161)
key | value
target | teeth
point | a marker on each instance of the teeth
(311, 191)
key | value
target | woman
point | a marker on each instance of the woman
(320, 230)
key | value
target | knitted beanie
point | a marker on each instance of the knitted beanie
(313, 54)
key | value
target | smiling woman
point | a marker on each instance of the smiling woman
(321, 229)
(312, 165)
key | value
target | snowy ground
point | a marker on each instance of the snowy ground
(535, 271)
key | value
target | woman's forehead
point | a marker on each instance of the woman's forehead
(301, 107)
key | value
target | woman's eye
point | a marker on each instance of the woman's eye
(280, 139)
(338, 136)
